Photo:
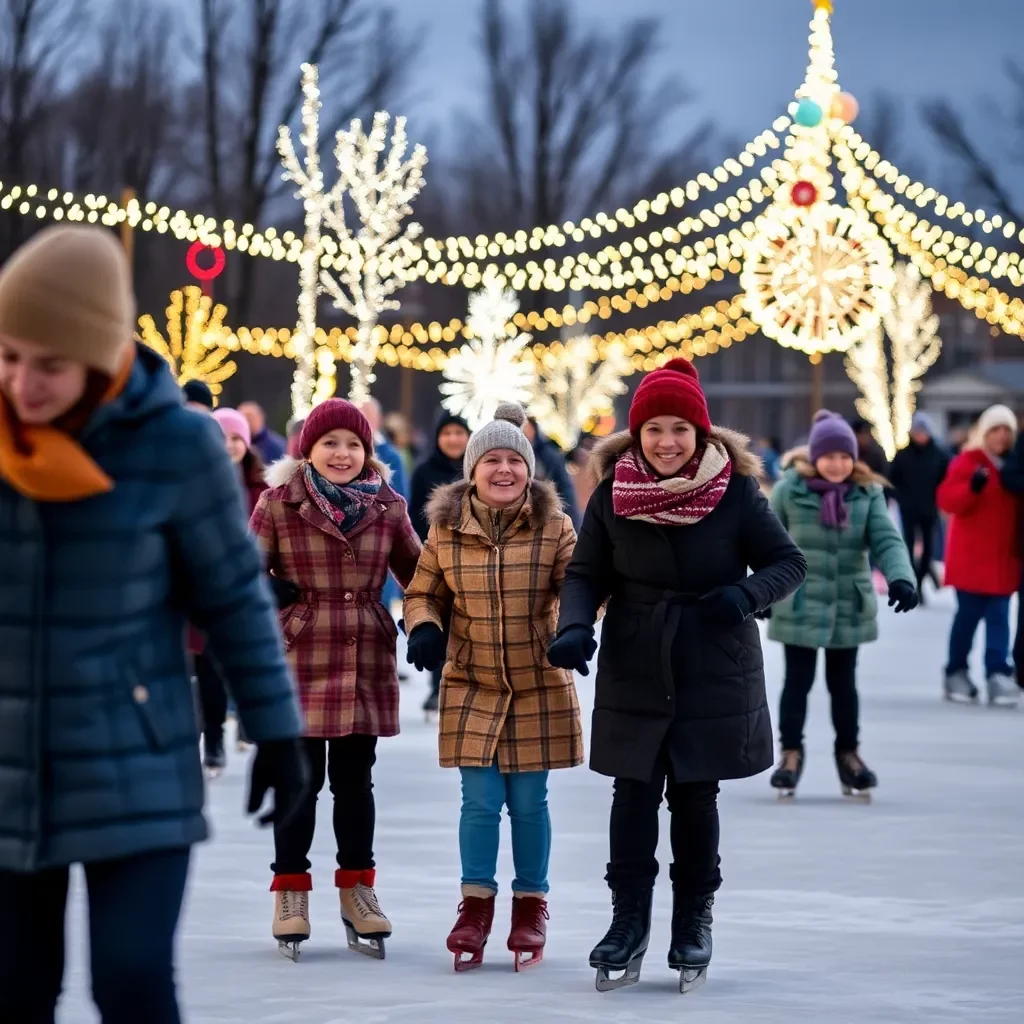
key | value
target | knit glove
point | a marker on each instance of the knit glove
(903, 596)
(427, 647)
(281, 766)
(727, 607)
(979, 478)
(573, 648)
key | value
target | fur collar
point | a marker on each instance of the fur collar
(447, 505)
(607, 453)
(279, 473)
(799, 459)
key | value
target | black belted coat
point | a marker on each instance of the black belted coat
(666, 679)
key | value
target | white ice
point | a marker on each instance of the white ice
(908, 910)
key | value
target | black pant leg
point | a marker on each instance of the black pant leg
(695, 836)
(801, 665)
(293, 840)
(435, 681)
(841, 679)
(31, 944)
(928, 526)
(350, 764)
(134, 906)
(633, 829)
(213, 698)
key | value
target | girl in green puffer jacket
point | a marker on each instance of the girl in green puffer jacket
(834, 508)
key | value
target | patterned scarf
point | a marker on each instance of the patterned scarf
(686, 498)
(344, 504)
(834, 512)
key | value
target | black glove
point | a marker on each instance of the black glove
(727, 607)
(573, 648)
(427, 647)
(903, 596)
(280, 765)
(979, 478)
(764, 615)
(286, 593)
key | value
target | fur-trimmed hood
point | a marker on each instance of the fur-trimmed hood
(608, 452)
(447, 505)
(799, 459)
(279, 473)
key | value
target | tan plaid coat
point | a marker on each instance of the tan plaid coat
(339, 638)
(500, 698)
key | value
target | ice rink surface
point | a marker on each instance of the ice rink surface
(908, 910)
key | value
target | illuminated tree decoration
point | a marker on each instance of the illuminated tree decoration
(493, 367)
(887, 401)
(381, 188)
(572, 393)
(197, 344)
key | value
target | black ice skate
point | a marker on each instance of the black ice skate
(430, 707)
(786, 777)
(624, 946)
(690, 952)
(855, 777)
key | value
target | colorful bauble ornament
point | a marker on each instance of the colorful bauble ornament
(845, 108)
(804, 194)
(808, 114)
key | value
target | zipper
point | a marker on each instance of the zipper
(38, 696)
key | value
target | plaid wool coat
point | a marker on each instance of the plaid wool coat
(500, 697)
(339, 638)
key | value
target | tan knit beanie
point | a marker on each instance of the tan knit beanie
(69, 289)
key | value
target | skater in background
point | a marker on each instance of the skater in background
(982, 556)
(551, 465)
(443, 466)
(834, 508)
(120, 519)
(269, 445)
(198, 396)
(331, 527)
(213, 696)
(915, 475)
(869, 451)
(1012, 477)
(294, 434)
(680, 704)
(493, 566)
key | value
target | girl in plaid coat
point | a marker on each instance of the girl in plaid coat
(331, 528)
(493, 566)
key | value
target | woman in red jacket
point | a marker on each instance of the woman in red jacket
(982, 557)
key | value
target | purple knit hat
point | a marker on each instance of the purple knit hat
(831, 433)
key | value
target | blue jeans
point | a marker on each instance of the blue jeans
(134, 905)
(484, 791)
(971, 609)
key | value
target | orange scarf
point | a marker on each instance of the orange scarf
(46, 463)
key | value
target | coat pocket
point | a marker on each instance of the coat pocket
(865, 597)
(540, 646)
(154, 724)
(295, 620)
(385, 621)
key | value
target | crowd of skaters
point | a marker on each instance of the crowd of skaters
(147, 536)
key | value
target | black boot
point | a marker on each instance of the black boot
(690, 952)
(213, 753)
(855, 778)
(624, 946)
(786, 776)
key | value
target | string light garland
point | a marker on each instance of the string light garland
(197, 343)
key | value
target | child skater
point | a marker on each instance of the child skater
(493, 565)
(834, 508)
(331, 527)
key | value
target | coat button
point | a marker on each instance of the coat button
(348, 595)
(140, 695)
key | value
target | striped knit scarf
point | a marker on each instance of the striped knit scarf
(345, 504)
(686, 498)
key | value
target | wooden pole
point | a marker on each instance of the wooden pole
(127, 231)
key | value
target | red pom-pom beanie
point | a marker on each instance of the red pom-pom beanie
(673, 390)
(334, 414)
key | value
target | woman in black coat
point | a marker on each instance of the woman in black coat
(669, 534)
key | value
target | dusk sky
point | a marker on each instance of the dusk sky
(744, 58)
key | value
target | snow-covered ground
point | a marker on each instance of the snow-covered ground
(911, 909)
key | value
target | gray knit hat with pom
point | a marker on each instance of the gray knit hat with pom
(504, 431)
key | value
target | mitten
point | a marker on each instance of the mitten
(573, 648)
(727, 606)
(427, 647)
(979, 478)
(281, 766)
(903, 596)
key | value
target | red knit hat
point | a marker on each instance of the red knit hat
(673, 390)
(334, 414)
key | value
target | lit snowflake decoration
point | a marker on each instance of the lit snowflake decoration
(492, 368)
